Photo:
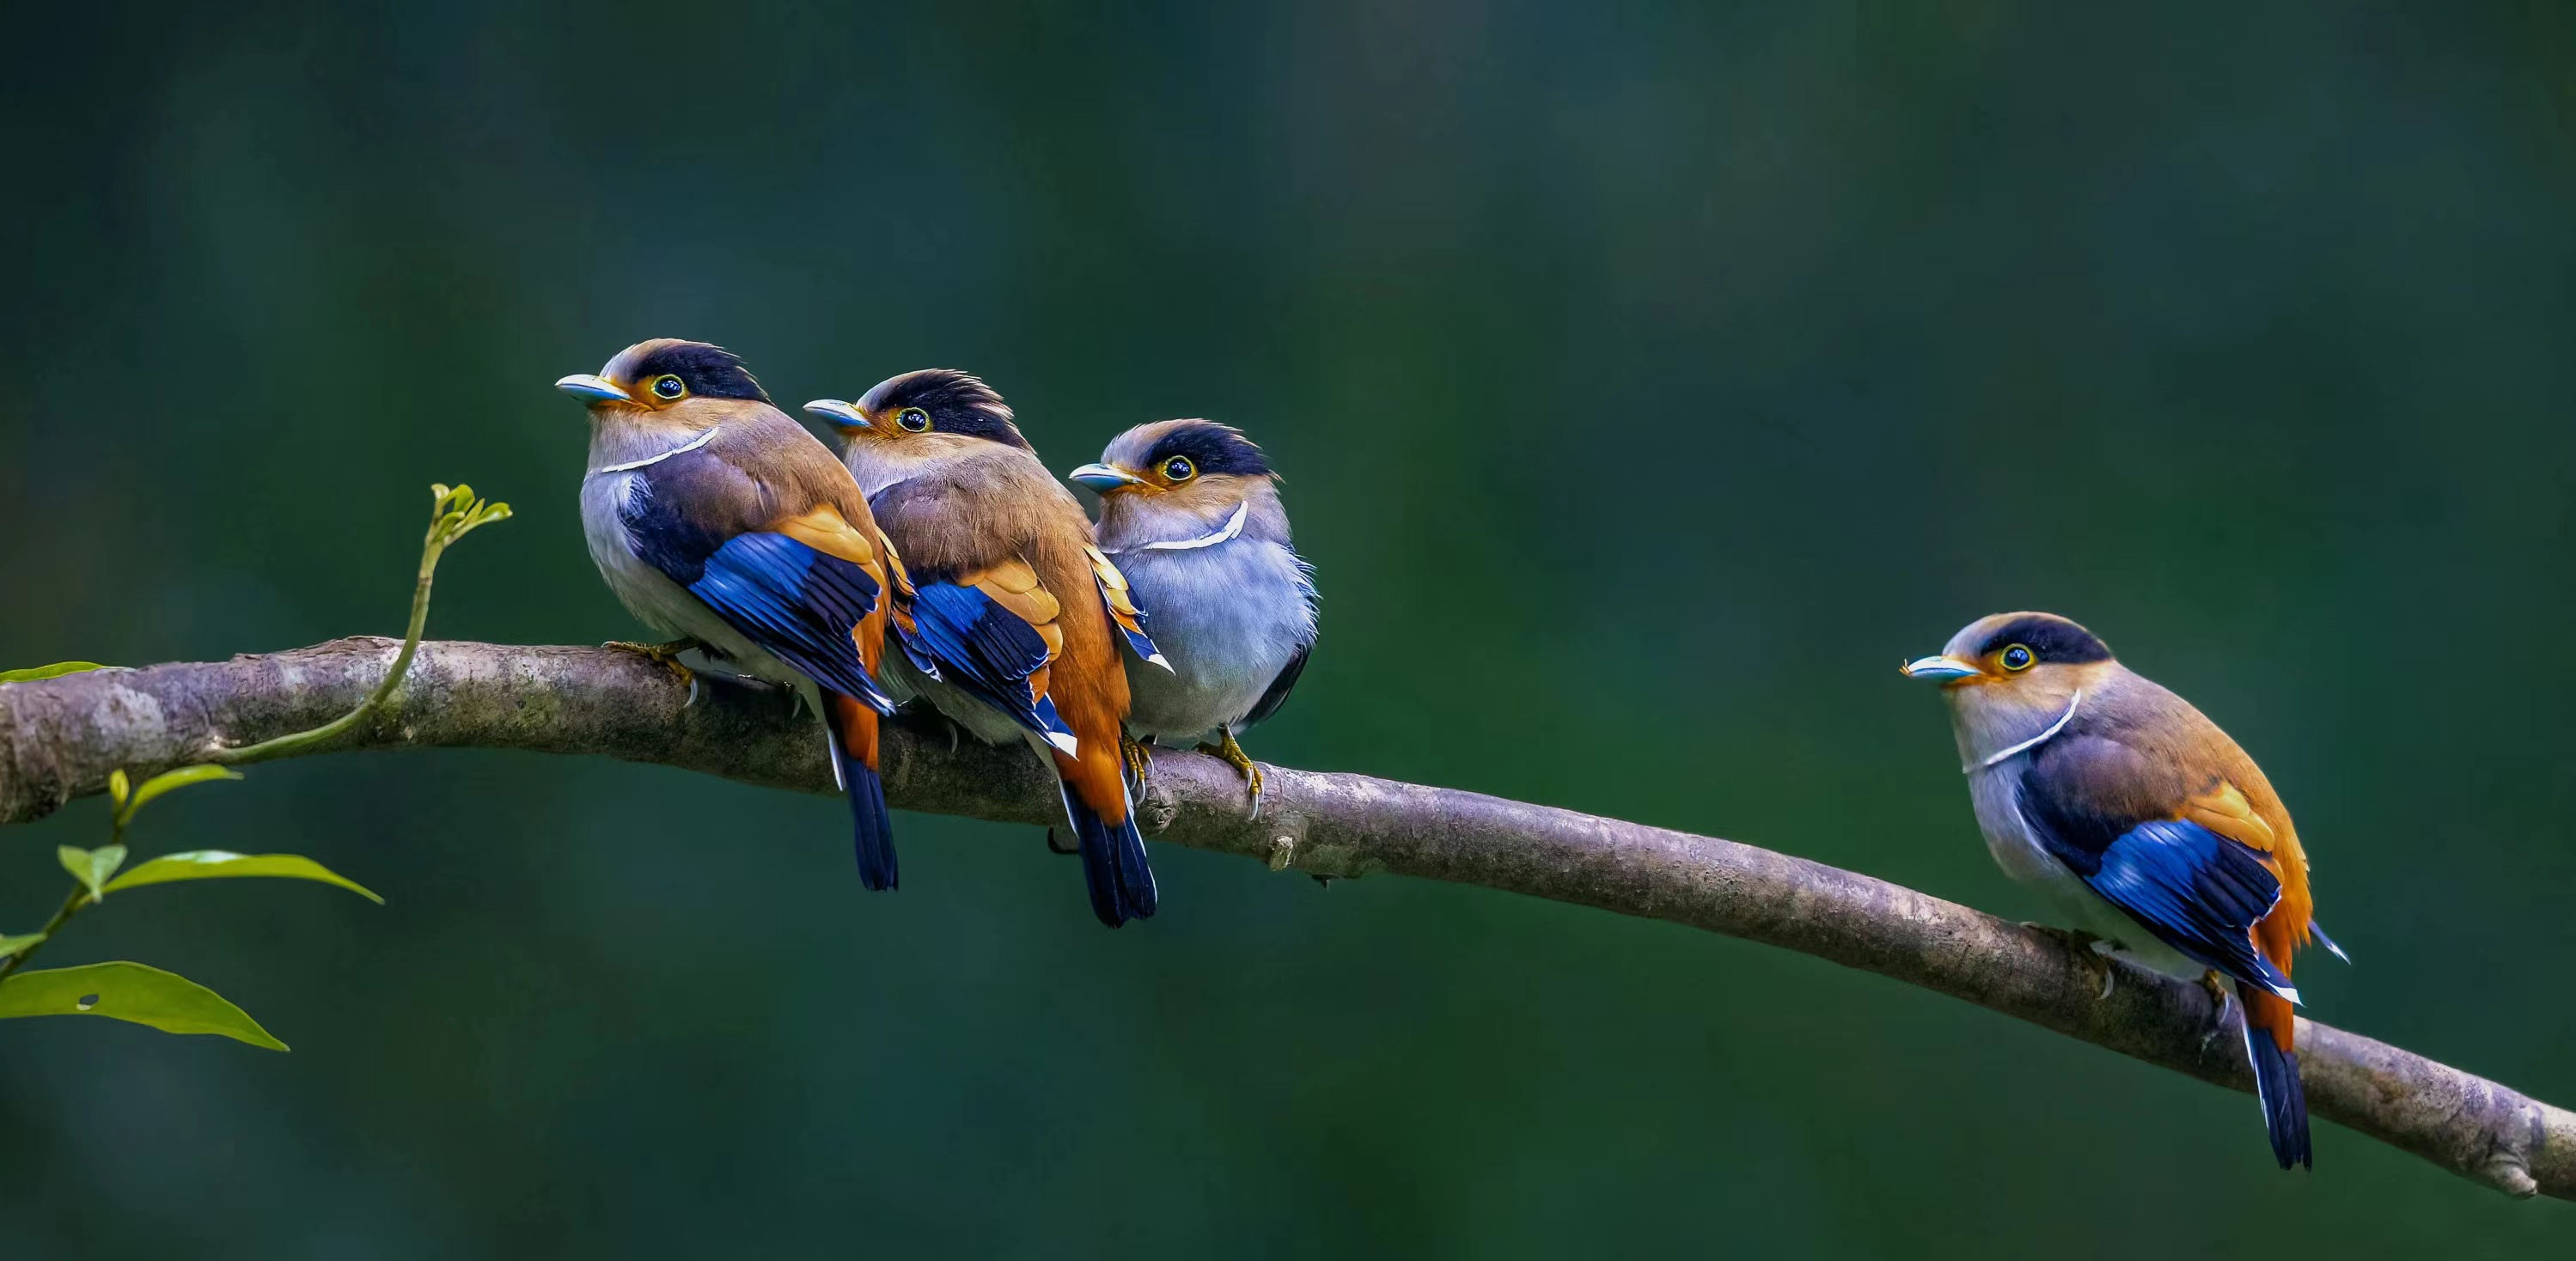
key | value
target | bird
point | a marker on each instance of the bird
(2150, 830)
(717, 517)
(1017, 615)
(1190, 511)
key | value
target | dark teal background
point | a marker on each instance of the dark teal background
(1649, 381)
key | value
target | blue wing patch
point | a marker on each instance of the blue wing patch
(2198, 892)
(799, 605)
(962, 637)
(1142, 643)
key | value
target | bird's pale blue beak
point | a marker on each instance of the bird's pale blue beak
(1939, 669)
(596, 389)
(1102, 478)
(842, 415)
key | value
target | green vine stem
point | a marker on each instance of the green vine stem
(454, 513)
(71, 906)
(122, 790)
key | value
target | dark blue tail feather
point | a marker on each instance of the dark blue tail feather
(874, 831)
(2285, 1101)
(1113, 863)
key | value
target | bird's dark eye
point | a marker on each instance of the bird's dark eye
(913, 419)
(1179, 469)
(668, 387)
(2018, 658)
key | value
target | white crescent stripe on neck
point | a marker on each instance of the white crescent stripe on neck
(1233, 526)
(682, 449)
(1998, 758)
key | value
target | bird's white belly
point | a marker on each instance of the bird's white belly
(1996, 792)
(1229, 619)
(649, 594)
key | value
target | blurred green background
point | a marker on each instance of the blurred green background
(1649, 380)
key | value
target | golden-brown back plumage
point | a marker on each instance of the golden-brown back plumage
(976, 513)
(957, 488)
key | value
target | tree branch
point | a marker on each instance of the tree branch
(59, 739)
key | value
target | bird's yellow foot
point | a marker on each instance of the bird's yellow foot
(2219, 998)
(1241, 762)
(1140, 760)
(2092, 954)
(666, 656)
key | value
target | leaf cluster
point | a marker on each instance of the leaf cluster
(148, 995)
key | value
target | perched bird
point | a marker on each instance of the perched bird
(2141, 822)
(715, 516)
(1190, 510)
(1014, 631)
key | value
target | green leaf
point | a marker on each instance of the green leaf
(130, 991)
(119, 787)
(10, 946)
(57, 670)
(455, 512)
(170, 781)
(92, 867)
(216, 864)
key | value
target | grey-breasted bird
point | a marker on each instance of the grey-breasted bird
(2142, 821)
(1190, 511)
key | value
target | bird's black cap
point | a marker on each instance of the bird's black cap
(2049, 637)
(708, 371)
(1214, 448)
(957, 402)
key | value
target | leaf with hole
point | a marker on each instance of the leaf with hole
(171, 781)
(134, 992)
(91, 867)
(37, 674)
(216, 864)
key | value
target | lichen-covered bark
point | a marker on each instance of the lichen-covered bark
(60, 738)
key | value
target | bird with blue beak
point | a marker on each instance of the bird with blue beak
(1190, 510)
(1017, 617)
(2149, 830)
(714, 516)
